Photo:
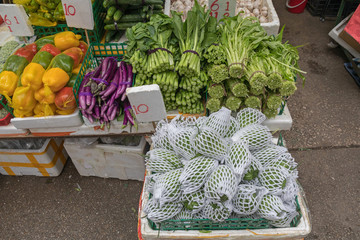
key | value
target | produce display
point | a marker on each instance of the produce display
(37, 79)
(122, 14)
(220, 167)
(253, 8)
(45, 13)
(102, 93)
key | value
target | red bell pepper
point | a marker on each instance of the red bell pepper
(32, 47)
(50, 49)
(26, 53)
(76, 54)
(84, 47)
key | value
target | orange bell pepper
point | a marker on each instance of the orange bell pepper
(84, 47)
(76, 54)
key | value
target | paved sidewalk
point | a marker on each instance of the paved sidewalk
(325, 140)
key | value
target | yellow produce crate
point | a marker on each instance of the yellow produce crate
(48, 161)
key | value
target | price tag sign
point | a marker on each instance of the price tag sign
(222, 8)
(147, 103)
(16, 19)
(78, 13)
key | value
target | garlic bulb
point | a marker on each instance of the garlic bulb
(256, 12)
(264, 9)
(263, 19)
(264, 13)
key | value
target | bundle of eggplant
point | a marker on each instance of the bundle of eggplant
(123, 14)
(102, 93)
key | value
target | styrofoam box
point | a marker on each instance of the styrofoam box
(11, 131)
(71, 120)
(280, 122)
(335, 32)
(48, 161)
(294, 233)
(273, 25)
(108, 160)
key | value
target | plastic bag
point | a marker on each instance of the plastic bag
(122, 140)
(27, 144)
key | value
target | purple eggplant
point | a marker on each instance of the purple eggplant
(82, 94)
(108, 68)
(92, 105)
(97, 112)
(112, 87)
(123, 78)
(103, 109)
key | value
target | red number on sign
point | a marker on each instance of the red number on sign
(214, 4)
(10, 28)
(69, 10)
(142, 108)
(227, 4)
(6, 20)
(215, 15)
(17, 22)
(226, 14)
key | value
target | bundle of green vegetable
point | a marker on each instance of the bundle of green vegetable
(123, 14)
(235, 171)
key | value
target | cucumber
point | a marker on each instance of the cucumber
(120, 26)
(110, 35)
(118, 14)
(118, 35)
(111, 11)
(131, 18)
(108, 3)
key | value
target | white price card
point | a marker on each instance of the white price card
(222, 8)
(147, 103)
(78, 13)
(16, 19)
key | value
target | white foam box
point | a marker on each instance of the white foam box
(335, 34)
(145, 232)
(48, 161)
(273, 25)
(108, 160)
(280, 122)
(58, 121)
(11, 131)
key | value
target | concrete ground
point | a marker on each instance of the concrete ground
(325, 140)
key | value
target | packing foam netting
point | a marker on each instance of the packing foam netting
(219, 122)
(256, 136)
(162, 160)
(167, 187)
(196, 172)
(221, 185)
(274, 179)
(217, 211)
(195, 201)
(268, 153)
(272, 208)
(158, 214)
(181, 140)
(210, 144)
(150, 181)
(160, 138)
(248, 116)
(234, 127)
(247, 199)
(238, 158)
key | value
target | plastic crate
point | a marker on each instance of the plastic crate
(330, 8)
(95, 35)
(95, 53)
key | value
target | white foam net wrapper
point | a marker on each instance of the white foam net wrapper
(256, 136)
(160, 138)
(268, 153)
(286, 161)
(274, 179)
(247, 199)
(195, 201)
(219, 122)
(234, 127)
(239, 158)
(272, 208)
(217, 211)
(196, 172)
(150, 181)
(210, 144)
(162, 160)
(290, 191)
(252, 172)
(167, 187)
(184, 214)
(221, 185)
(201, 121)
(248, 116)
(181, 140)
(158, 214)
(284, 221)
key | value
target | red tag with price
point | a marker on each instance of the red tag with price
(222, 8)
(16, 19)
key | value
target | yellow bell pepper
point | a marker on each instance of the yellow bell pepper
(43, 110)
(45, 95)
(32, 76)
(67, 39)
(65, 112)
(55, 79)
(23, 99)
(23, 113)
(8, 84)
(76, 70)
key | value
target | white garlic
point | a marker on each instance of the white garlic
(264, 9)
(256, 12)
(264, 13)
(250, 6)
(263, 19)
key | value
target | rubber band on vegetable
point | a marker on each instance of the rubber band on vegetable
(256, 72)
(191, 51)
(157, 49)
(225, 93)
(112, 83)
(100, 80)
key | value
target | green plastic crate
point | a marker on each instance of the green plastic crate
(95, 35)
(228, 224)
(93, 57)
(3, 102)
